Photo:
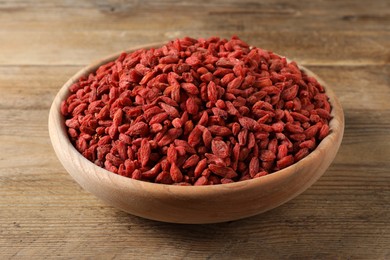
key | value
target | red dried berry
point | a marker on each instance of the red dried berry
(197, 112)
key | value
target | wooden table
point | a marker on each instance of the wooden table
(45, 214)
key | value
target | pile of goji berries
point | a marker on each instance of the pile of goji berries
(197, 112)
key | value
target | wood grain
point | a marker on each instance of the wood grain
(77, 48)
(44, 213)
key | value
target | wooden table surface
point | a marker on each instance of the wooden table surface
(45, 214)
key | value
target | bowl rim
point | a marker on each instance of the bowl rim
(58, 135)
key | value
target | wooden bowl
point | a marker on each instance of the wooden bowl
(193, 204)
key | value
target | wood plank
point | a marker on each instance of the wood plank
(359, 88)
(34, 87)
(309, 228)
(79, 48)
(27, 136)
(26, 118)
(233, 18)
(119, 15)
